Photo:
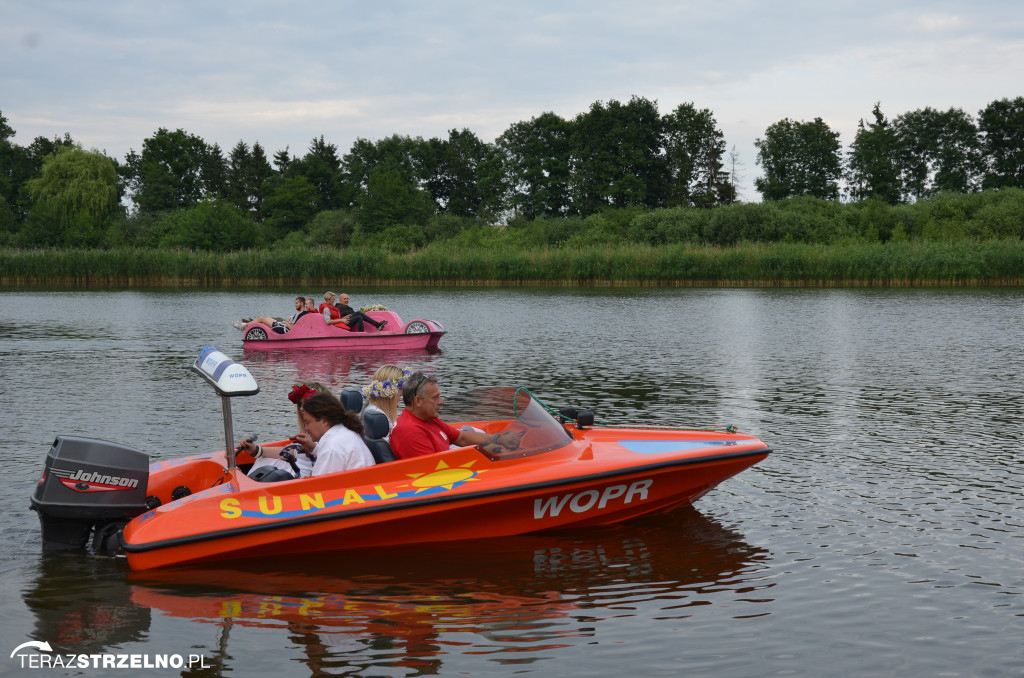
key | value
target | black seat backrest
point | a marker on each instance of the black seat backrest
(375, 427)
(352, 398)
(271, 474)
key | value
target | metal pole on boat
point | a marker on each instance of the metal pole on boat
(229, 432)
(228, 379)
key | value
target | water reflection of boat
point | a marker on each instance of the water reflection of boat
(540, 473)
(527, 593)
(342, 366)
(83, 605)
(520, 596)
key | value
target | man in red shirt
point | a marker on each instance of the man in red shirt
(419, 431)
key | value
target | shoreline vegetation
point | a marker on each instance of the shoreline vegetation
(992, 262)
(619, 195)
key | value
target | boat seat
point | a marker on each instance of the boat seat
(351, 398)
(270, 474)
(375, 427)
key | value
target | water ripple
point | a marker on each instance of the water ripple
(883, 537)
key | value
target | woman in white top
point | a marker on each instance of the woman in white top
(337, 433)
(298, 452)
(383, 392)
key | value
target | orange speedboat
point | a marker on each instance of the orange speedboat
(565, 472)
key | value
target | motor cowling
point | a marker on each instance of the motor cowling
(88, 482)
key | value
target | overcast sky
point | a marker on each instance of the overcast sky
(112, 72)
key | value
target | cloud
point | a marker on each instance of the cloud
(279, 73)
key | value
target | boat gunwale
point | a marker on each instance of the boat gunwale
(343, 340)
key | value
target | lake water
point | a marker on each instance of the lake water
(884, 536)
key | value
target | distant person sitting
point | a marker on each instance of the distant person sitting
(355, 319)
(332, 316)
(279, 326)
(419, 431)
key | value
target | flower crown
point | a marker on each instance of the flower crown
(386, 388)
(300, 392)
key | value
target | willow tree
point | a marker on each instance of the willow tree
(74, 199)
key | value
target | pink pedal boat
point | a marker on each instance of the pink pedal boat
(312, 332)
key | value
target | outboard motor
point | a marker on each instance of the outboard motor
(86, 483)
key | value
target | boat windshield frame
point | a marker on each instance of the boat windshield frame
(532, 430)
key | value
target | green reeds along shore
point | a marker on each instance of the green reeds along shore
(914, 263)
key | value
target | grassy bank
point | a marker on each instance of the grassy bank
(964, 262)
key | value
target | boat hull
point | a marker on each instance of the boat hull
(599, 478)
(312, 332)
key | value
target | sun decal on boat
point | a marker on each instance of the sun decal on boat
(443, 476)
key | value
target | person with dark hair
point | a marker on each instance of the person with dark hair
(419, 431)
(279, 326)
(296, 457)
(337, 434)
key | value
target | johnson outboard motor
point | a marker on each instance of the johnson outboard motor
(92, 486)
(87, 484)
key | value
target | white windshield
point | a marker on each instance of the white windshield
(531, 428)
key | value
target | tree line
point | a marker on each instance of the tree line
(916, 155)
(616, 158)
